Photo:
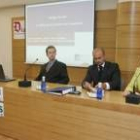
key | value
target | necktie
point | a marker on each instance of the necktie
(100, 70)
(48, 66)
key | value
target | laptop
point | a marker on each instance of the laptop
(3, 78)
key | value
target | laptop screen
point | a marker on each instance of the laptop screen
(2, 75)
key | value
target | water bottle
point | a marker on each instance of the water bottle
(43, 84)
(99, 91)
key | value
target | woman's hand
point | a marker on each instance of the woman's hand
(126, 92)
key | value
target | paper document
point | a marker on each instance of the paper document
(94, 93)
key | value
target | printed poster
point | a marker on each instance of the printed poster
(18, 29)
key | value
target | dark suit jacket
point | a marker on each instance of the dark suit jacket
(56, 74)
(110, 74)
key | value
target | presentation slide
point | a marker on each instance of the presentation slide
(69, 26)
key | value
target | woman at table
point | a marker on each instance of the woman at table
(135, 82)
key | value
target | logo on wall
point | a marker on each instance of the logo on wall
(18, 29)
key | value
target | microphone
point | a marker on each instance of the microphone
(25, 82)
(25, 74)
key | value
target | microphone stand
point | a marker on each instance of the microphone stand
(25, 82)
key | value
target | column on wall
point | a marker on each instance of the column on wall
(128, 35)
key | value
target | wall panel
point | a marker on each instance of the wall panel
(128, 35)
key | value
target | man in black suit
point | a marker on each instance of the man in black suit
(102, 71)
(54, 71)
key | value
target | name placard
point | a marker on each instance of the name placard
(1, 102)
(1, 109)
(1, 94)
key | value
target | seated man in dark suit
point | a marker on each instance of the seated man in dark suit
(102, 71)
(54, 71)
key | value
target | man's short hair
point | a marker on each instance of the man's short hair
(50, 47)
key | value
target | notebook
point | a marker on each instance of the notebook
(62, 90)
(3, 78)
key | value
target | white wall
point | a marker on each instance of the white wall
(6, 15)
(106, 4)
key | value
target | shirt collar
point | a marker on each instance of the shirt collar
(103, 65)
(52, 61)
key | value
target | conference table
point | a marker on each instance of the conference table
(33, 115)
